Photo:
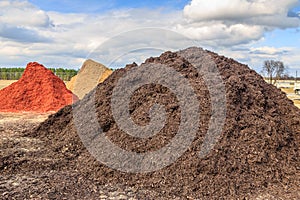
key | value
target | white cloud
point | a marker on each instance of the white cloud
(266, 50)
(20, 21)
(21, 34)
(71, 37)
(200, 10)
(235, 22)
(22, 13)
(84, 32)
(255, 56)
(219, 34)
(28, 33)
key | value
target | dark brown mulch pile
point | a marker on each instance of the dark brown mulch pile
(257, 154)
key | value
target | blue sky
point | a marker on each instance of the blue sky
(79, 6)
(63, 33)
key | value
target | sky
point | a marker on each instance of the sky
(63, 33)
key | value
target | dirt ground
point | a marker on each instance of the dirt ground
(18, 150)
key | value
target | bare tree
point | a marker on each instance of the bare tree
(273, 69)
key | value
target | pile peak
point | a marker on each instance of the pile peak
(90, 74)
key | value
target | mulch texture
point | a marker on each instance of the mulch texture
(257, 155)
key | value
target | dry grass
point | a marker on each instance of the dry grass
(288, 90)
(291, 95)
(6, 117)
(5, 83)
(297, 103)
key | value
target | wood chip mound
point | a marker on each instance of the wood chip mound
(90, 74)
(257, 155)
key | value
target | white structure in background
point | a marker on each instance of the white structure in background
(283, 85)
(297, 88)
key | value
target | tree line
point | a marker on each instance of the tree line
(16, 73)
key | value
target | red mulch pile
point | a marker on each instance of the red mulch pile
(38, 90)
